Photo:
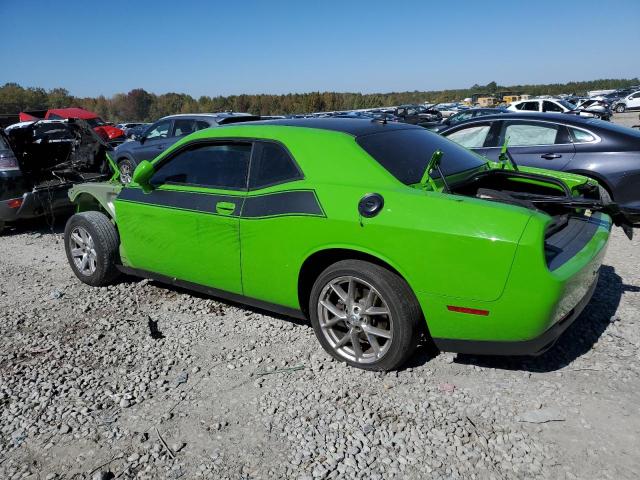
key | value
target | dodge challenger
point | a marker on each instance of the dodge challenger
(379, 233)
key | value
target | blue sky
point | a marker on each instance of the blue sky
(251, 46)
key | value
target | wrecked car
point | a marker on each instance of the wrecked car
(378, 232)
(40, 161)
(105, 130)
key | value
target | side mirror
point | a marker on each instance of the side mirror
(142, 175)
(140, 138)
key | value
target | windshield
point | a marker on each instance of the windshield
(95, 122)
(405, 153)
(566, 104)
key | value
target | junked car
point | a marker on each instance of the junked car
(39, 161)
(378, 232)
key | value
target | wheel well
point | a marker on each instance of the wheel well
(316, 263)
(88, 203)
(597, 178)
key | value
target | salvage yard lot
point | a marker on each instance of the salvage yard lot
(148, 381)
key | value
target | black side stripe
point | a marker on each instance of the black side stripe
(294, 202)
(199, 202)
(291, 202)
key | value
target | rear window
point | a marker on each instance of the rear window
(405, 153)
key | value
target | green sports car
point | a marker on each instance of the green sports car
(379, 233)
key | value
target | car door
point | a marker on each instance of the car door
(537, 143)
(187, 226)
(633, 101)
(155, 140)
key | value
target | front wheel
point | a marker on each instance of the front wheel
(365, 315)
(91, 242)
(620, 108)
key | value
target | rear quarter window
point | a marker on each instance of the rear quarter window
(406, 153)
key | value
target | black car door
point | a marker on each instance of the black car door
(537, 143)
(155, 140)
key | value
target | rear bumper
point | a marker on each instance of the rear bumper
(533, 347)
(35, 204)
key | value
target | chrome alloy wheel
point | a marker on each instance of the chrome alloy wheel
(355, 319)
(83, 251)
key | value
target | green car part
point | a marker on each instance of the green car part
(378, 233)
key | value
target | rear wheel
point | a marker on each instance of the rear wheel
(620, 108)
(91, 243)
(365, 315)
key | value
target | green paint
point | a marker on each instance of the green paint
(450, 249)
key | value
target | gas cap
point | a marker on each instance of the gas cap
(370, 205)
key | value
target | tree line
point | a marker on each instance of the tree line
(140, 105)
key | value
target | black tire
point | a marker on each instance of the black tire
(620, 108)
(104, 240)
(126, 167)
(405, 322)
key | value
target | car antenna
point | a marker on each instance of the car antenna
(505, 156)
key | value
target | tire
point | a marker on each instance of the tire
(126, 167)
(620, 108)
(91, 242)
(402, 325)
(2, 225)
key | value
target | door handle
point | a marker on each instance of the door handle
(550, 156)
(225, 208)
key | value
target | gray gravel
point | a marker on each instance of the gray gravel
(143, 381)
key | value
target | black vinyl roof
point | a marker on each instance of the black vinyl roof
(352, 126)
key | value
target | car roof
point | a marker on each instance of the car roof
(351, 126)
(549, 117)
(207, 115)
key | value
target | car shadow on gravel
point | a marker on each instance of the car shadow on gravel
(36, 226)
(577, 340)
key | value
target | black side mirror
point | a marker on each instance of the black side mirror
(141, 139)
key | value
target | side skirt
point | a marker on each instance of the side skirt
(214, 292)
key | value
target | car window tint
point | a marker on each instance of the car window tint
(460, 117)
(182, 127)
(161, 130)
(581, 136)
(271, 164)
(530, 106)
(523, 134)
(200, 125)
(219, 166)
(405, 153)
(471, 137)
(551, 107)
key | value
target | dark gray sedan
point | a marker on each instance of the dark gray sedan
(164, 133)
(601, 150)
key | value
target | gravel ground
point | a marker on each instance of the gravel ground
(140, 380)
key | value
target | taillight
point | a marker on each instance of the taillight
(15, 203)
(8, 162)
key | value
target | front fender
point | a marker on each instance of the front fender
(88, 196)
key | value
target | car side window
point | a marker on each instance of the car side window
(159, 130)
(200, 125)
(221, 165)
(551, 107)
(530, 106)
(581, 136)
(182, 127)
(524, 134)
(461, 117)
(471, 137)
(271, 164)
